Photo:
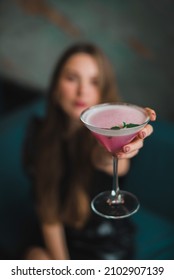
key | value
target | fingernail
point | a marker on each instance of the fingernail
(126, 149)
(154, 115)
(119, 155)
(142, 134)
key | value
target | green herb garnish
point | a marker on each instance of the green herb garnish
(125, 125)
(115, 127)
(129, 125)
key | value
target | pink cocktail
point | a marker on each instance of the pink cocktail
(115, 125)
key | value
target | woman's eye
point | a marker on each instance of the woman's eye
(71, 78)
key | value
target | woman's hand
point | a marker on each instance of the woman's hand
(102, 159)
(132, 149)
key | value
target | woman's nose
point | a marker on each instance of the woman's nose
(82, 89)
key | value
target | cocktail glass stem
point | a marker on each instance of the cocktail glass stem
(116, 195)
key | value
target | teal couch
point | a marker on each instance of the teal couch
(18, 222)
(150, 178)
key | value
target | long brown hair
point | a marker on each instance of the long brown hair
(52, 161)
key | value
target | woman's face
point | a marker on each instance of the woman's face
(78, 85)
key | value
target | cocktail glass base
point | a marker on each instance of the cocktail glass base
(109, 205)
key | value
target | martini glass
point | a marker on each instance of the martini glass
(115, 125)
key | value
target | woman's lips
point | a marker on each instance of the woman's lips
(80, 104)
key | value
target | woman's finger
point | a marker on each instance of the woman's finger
(145, 132)
(151, 113)
(136, 144)
(122, 155)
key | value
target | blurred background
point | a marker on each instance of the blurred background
(137, 36)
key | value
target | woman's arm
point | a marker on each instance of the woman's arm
(55, 241)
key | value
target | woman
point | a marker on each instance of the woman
(70, 164)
